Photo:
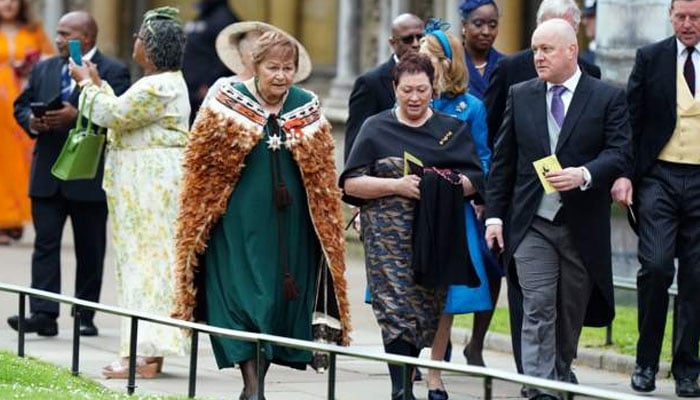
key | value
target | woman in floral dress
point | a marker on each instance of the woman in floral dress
(148, 128)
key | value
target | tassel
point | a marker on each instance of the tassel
(291, 289)
(282, 197)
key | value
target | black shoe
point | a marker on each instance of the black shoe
(39, 323)
(88, 328)
(643, 379)
(437, 394)
(687, 387)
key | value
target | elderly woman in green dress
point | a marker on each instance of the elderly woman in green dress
(147, 133)
(260, 219)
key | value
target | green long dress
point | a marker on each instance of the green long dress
(244, 274)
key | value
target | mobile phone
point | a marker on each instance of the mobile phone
(75, 52)
(38, 108)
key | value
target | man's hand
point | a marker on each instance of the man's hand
(621, 192)
(408, 186)
(566, 179)
(494, 236)
(38, 125)
(61, 119)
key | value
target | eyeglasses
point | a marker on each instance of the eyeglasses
(408, 39)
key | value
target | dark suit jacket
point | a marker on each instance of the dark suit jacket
(516, 68)
(44, 85)
(372, 93)
(651, 93)
(595, 134)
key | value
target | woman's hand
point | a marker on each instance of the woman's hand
(86, 71)
(479, 210)
(408, 186)
(467, 186)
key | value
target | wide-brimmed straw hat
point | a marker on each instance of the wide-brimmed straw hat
(227, 47)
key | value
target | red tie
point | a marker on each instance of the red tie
(689, 70)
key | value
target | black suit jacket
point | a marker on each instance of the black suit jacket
(651, 94)
(516, 68)
(44, 85)
(595, 134)
(372, 93)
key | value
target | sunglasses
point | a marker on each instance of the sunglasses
(408, 39)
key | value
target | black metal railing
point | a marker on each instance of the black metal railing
(568, 390)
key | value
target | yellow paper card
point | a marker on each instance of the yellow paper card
(411, 164)
(544, 165)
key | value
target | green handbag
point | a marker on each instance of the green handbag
(81, 153)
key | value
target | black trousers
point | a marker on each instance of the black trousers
(89, 221)
(669, 227)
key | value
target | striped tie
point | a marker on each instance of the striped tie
(65, 83)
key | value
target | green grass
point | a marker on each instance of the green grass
(624, 331)
(28, 378)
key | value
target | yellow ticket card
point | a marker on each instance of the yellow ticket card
(412, 164)
(544, 165)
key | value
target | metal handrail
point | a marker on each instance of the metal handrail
(488, 374)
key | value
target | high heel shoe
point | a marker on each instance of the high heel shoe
(120, 369)
(437, 394)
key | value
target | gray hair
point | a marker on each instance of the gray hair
(564, 9)
(164, 43)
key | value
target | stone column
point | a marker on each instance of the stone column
(390, 9)
(52, 11)
(622, 26)
(347, 60)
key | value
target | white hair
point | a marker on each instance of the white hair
(559, 9)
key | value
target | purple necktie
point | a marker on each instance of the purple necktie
(558, 104)
(689, 70)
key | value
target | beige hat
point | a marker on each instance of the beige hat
(227, 47)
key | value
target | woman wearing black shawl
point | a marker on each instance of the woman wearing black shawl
(374, 180)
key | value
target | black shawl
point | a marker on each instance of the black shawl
(443, 142)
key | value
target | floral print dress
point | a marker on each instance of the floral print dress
(147, 132)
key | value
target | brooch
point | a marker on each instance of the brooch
(461, 107)
(274, 142)
(445, 138)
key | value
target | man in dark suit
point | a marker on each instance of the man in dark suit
(53, 201)
(560, 241)
(664, 113)
(519, 67)
(373, 92)
(509, 71)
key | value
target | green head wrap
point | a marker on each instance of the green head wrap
(167, 13)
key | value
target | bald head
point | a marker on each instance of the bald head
(555, 50)
(404, 21)
(76, 25)
(406, 32)
(83, 21)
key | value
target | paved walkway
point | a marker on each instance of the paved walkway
(356, 379)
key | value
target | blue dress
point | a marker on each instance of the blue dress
(471, 110)
(477, 82)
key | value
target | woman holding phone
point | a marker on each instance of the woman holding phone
(148, 129)
(22, 43)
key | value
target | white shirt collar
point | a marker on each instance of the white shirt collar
(680, 49)
(571, 83)
(91, 53)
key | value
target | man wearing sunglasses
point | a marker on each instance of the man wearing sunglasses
(373, 91)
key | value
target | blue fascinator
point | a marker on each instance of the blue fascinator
(467, 6)
(437, 27)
